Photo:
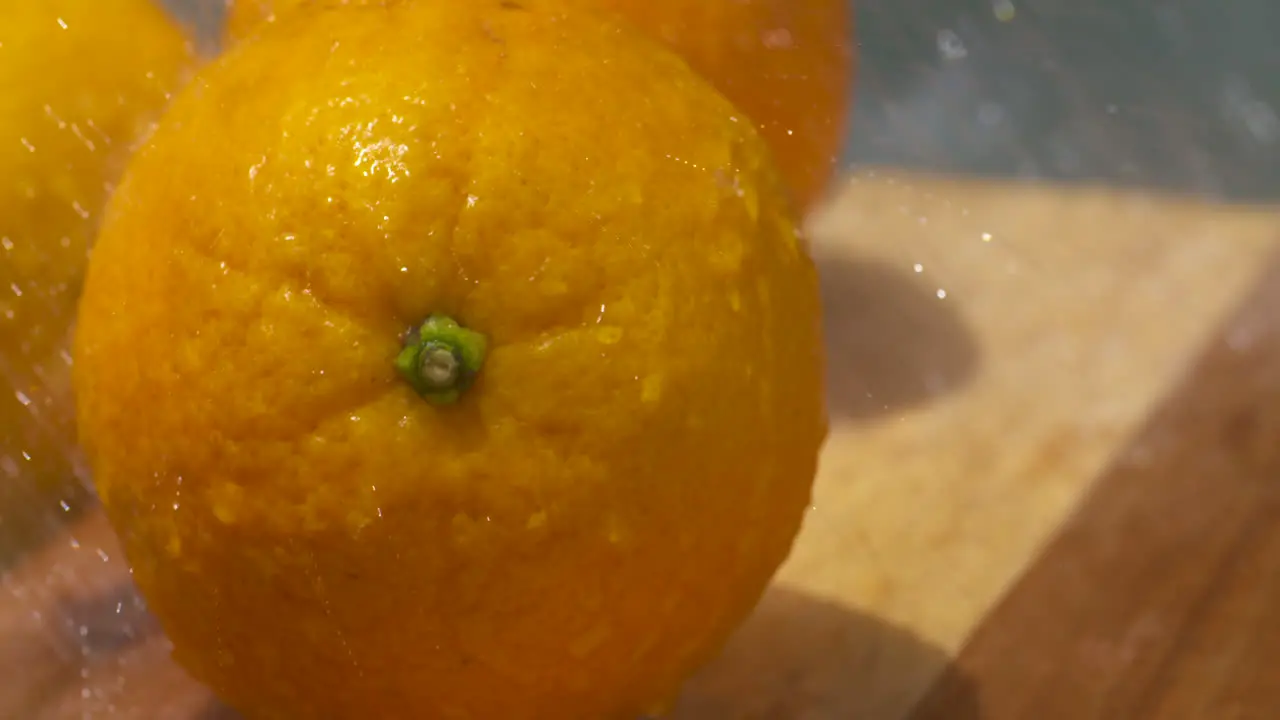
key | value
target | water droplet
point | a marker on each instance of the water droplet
(536, 520)
(950, 46)
(777, 39)
(1245, 109)
(942, 294)
(918, 267)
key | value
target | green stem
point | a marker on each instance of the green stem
(441, 359)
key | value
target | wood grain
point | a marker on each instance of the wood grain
(1160, 598)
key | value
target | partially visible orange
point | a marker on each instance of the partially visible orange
(789, 64)
(81, 81)
(588, 522)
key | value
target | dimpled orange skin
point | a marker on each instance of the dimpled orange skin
(82, 80)
(789, 64)
(608, 501)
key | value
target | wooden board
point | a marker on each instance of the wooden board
(999, 485)
(1158, 598)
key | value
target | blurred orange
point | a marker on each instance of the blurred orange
(81, 80)
(788, 64)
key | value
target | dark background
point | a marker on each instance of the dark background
(1180, 95)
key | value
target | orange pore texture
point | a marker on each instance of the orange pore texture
(788, 64)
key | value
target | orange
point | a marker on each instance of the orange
(789, 64)
(420, 383)
(81, 79)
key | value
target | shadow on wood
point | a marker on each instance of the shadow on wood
(799, 657)
(891, 343)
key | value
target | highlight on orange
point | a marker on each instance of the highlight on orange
(788, 64)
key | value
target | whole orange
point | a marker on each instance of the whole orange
(788, 64)
(82, 80)
(420, 383)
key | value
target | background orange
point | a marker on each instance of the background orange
(82, 79)
(788, 64)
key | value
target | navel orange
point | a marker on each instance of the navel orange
(422, 382)
(81, 79)
(788, 64)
